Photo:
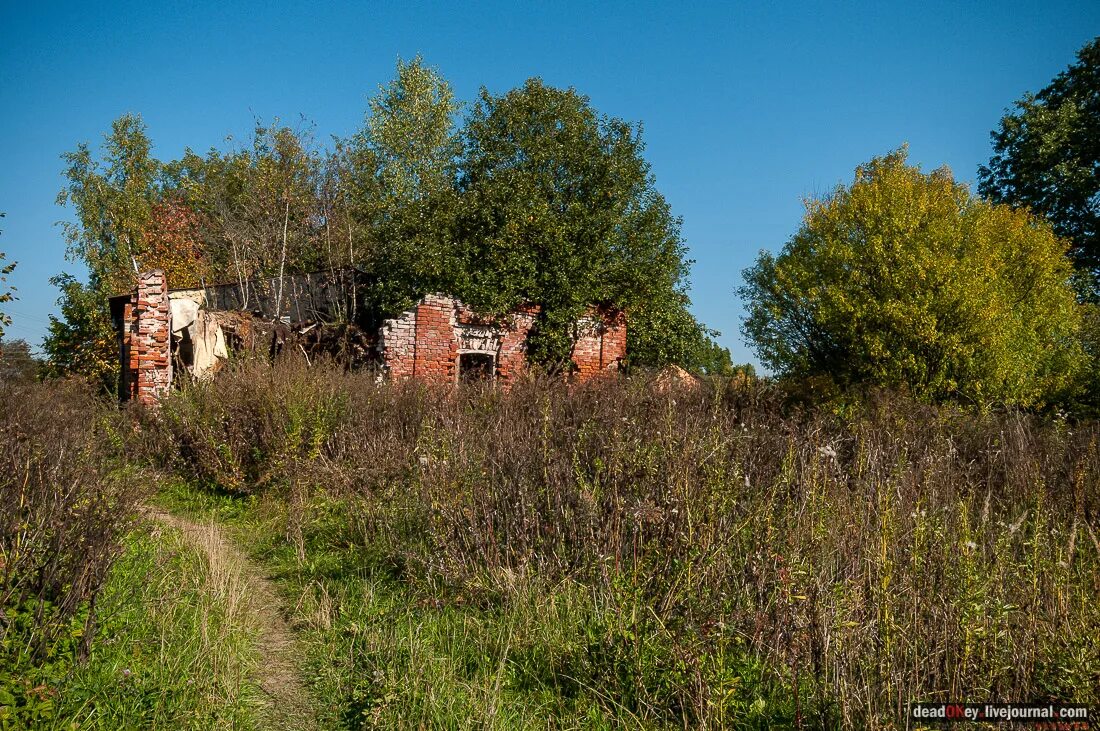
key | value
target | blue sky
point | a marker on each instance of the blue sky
(748, 107)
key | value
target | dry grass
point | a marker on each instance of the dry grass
(732, 556)
(249, 603)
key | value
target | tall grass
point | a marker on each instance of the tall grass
(728, 559)
(66, 501)
(174, 648)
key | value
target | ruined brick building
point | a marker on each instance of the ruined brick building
(165, 334)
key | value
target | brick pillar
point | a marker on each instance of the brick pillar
(613, 352)
(397, 345)
(421, 342)
(601, 343)
(512, 361)
(150, 336)
(436, 345)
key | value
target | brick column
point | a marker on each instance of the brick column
(421, 342)
(601, 343)
(614, 339)
(513, 346)
(436, 346)
(150, 337)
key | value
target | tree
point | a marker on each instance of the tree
(254, 210)
(82, 342)
(173, 243)
(905, 280)
(1047, 157)
(17, 363)
(559, 208)
(661, 335)
(113, 201)
(399, 172)
(1090, 339)
(7, 293)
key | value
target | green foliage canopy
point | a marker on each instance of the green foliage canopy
(113, 201)
(559, 208)
(535, 199)
(903, 279)
(1047, 157)
(399, 172)
(82, 341)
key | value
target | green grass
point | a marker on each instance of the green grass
(171, 652)
(383, 651)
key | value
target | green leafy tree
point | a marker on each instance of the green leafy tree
(714, 360)
(1047, 157)
(255, 210)
(399, 171)
(903, 279)
(7, 293)
(1090, 338)
(662, 335)
(559, 208)
(82, 341)
(113, 199)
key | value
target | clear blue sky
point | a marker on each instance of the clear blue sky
(748, 107)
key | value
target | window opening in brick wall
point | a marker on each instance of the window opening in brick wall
(476, 367)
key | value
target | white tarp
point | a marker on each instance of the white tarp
(207, 345)
(184, 312)
(206, 336)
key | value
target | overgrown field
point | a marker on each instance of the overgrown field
(690, 558)
(620, 555)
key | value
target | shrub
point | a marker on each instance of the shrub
(904, 280)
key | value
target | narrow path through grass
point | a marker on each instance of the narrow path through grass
(287, 699)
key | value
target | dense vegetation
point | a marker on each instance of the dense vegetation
(703, 557)
(533, 197)
(904, 280)
(691, 558)
(65, 504)
(1046, 158)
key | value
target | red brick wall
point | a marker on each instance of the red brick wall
(424, 342)
(148, 320)
(436, 346)
(512, 361)
(601, 343)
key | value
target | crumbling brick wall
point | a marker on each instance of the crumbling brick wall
(438, 341)
(512, 363)
(148, 339)
(601, 343)
(427, 341)
(436, 347)
(424, 342)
